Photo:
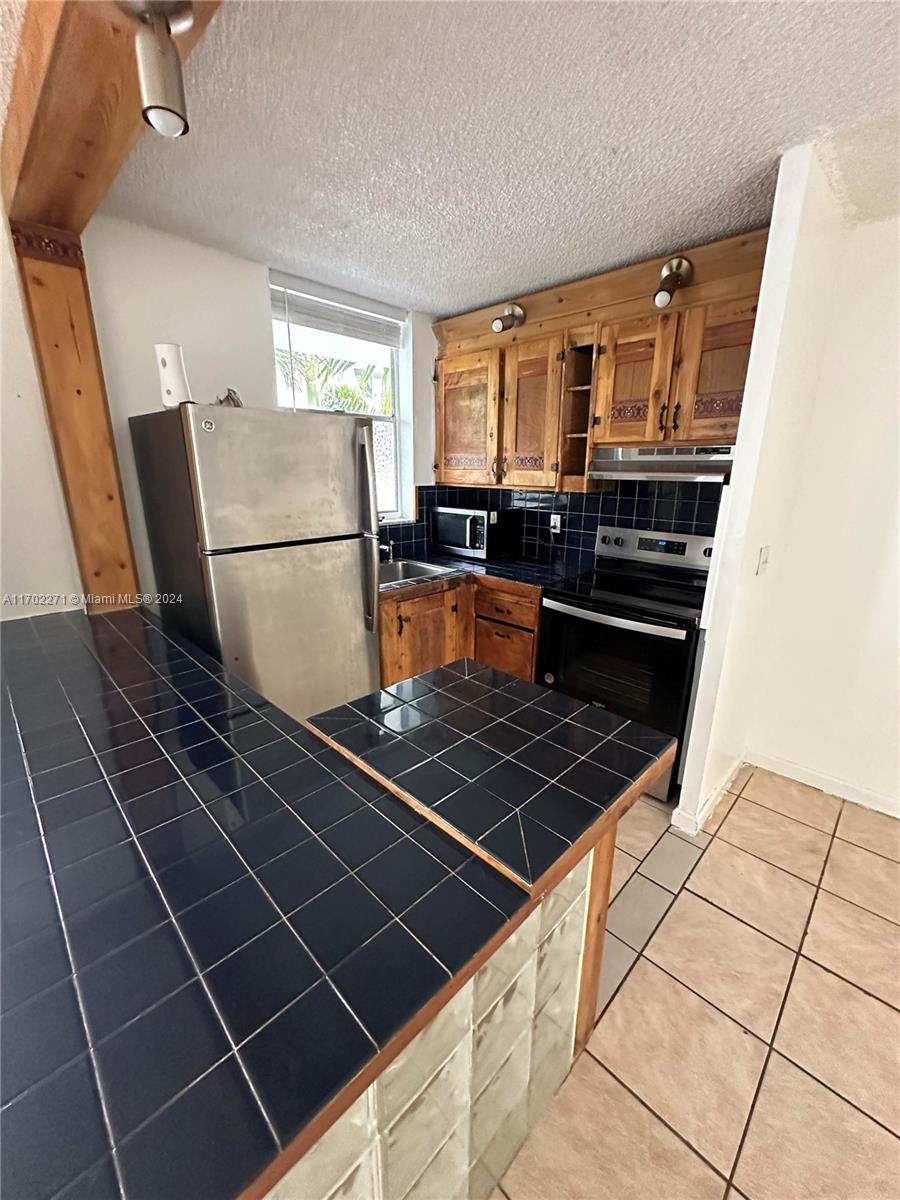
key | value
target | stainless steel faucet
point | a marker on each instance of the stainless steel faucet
(388, 549)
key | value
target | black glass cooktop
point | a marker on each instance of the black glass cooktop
(613, 586)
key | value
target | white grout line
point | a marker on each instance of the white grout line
(75, 982)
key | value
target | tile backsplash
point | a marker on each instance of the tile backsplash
(668, 505)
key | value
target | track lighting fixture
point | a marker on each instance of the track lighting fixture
(513, 315)
(675, 273)
(163, 105)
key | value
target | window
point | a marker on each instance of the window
(329, 354)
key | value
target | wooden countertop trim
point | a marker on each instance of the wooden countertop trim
(338, 1105)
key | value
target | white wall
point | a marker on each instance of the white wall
(149, 287)
(36, 550)
(424, 353)
(803, 671)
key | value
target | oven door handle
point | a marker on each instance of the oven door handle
(585, 614)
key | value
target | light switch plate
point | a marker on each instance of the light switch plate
(556, 522)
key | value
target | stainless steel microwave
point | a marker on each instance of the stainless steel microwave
(477, 532)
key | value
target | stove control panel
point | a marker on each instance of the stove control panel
(650, 545)
(662, 546)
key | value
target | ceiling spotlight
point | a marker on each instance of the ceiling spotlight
(163, 105)
(513, 315)
(675, 273)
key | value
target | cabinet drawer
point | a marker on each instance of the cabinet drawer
(507, 649)
(503, 606)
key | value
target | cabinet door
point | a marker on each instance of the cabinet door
(427, 634)
(711, 369)
(508, 649)
(531, 413)
(468, 399)
(634, 374)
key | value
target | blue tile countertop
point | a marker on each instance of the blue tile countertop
(518, 771)
(211, 919)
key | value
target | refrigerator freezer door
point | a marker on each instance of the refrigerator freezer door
(262, 477)
(291, 621)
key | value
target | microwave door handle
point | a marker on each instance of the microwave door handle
(584, 614)
(470, 537)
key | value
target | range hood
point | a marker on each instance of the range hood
(698, 463)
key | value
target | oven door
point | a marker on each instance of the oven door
(634, 667)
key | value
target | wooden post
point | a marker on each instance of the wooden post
(65, 345)
(74, 116)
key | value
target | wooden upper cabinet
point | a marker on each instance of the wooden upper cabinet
(634, 375)
(711, 369)
(467, 430)
(531, 413)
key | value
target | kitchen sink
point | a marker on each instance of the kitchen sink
(406, 568)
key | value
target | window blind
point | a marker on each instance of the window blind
(301, 309)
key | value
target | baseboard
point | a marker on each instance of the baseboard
(826, 783)
(693, 822)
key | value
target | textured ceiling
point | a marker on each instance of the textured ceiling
(11, 12)
(445, 155)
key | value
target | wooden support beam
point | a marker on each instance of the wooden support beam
(74, 115)
(62, 330)
(74, 112)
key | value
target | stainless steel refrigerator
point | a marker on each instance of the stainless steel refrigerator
(266, 523)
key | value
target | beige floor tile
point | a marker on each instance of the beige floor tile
(694, 1067)
(670, 862)
(640, 828)
(856, 944)
(805, 1143)
(872, 830)
(618, 959)
(666, 806)
(596, 1142)
(864, 878)
(793, 799)
(739, 970)
(624, 866)
(778, 839)
(740, 778)
(637, 910)
(765, 896)
(844, 1038)
(700, 839)
(721, 810)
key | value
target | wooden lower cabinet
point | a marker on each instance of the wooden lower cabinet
(505, 647)
(427, 626)
(422, 632)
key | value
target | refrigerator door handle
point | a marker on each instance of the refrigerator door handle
(368, 448)
(373, 561)
(373, 557)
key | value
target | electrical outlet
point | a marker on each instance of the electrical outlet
(556, 522)
(762, 561)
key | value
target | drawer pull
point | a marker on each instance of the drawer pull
(504, 612)
(498, 634)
